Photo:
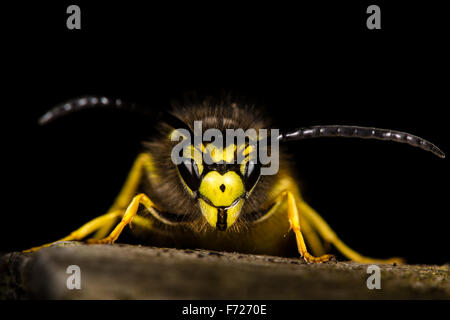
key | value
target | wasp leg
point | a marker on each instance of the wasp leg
(130, 213)
(294, 220)
(311, 236)
(92, 226)
(102, 225)
(85, 230)
(329, 235)
(127, 192)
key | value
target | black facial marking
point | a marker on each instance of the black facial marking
(221, 224)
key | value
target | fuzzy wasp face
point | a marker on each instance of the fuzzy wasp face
(218, 182)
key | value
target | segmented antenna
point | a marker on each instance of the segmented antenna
(360, 132)
(94, 102)
(81, 103)
(91, 102)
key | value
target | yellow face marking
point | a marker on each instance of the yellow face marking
(222, 190)
(233, 213)
(210, 213)
(195, 154)
(201, 147)
(221, 155)
(243, 164)
(248, 150)
(248, 153)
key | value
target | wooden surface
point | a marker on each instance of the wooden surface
(134, 272)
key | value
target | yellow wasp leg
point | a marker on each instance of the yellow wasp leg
(311, 236)
(294, 220)
(92, 226)
(142, 161)
(329, 235)
(85, 230)
(130, 213)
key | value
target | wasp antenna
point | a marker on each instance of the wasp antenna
(86, 102)
(360, 132)
(93, 102)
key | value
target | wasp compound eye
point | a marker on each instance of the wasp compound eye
(190, 174)
(252, 173)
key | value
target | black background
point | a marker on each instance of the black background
(307, 64)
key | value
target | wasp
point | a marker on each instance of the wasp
(220, 205)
